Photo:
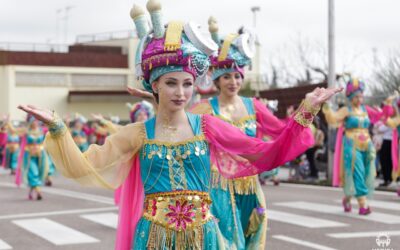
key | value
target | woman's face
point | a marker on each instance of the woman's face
(35, 124)
(229, 84)
(78, 125)
(358, 99)
(141, 116)
(174, 90)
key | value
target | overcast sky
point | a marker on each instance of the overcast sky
(360, 24)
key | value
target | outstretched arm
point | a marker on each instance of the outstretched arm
(105, 166)
(238, 155)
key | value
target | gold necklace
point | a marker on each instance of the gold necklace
(168, 132)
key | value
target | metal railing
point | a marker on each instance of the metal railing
(33, 47)
(123, 34)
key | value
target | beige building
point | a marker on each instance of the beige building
(88, 77)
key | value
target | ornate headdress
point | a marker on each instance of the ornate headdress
(235, 51)
(138, 107)
(175, 48)
(79, 118)
(353, 87)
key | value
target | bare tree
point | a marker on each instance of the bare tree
(387, 74)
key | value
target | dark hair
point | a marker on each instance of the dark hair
(215, 83)
(156, 97)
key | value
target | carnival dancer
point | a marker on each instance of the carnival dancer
(80, 132)
(33, 163)
(3, 139)
(354, 162)
(393, 122)
(244, 225)
(164, 163)
(12, 148)
(11, 144)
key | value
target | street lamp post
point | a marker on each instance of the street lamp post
(331, 73)
(255, 9)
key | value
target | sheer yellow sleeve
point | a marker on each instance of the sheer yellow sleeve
(202, 108)
(110, 127)
(333, 117)
(393, 122)
(102, 166)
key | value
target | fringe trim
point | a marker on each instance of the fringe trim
(243, 186)
(161, 238)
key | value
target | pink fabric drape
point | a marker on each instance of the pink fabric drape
(337, 160)
(238, 155)
(88, 130)
(18, 172)
(130, 207)
(267, 123)
(374, 114)
(117, 195)
(395, 151)
(3, 143)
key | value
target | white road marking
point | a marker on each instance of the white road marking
(302, 242)
(79, 195)
(106, 219)
(75, 211)
(300, 220)
(54, 232)
(4, 245)
(338, 210)
(71, 194)
(362, 234)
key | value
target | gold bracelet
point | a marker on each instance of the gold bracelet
(310, 108)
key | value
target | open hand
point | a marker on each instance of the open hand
(321, 95)
(43, 115)
(140, 93)
(97, 117)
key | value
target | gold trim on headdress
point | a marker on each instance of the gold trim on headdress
(225, 46)
(173, 36)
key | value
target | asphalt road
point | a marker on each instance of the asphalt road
(72, 217)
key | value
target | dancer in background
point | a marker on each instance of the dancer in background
(33, 163)
(80, 132)
(394, 122)
(11, 146)
(354, 162)
(244, 221)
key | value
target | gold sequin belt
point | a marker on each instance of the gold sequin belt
(360, 136)
(34, 149)
(178, 210)
(12, 146)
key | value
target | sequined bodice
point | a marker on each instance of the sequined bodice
(247, 124)
(12, 138)
(175, 166)
(78, 133)
(355, 120)
(34, 138)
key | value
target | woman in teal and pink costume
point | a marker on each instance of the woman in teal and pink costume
(33, 163)
(241, 207)
(80, 132)
(393, 121)
(12, 147)
(164, 164)
(354, 161)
